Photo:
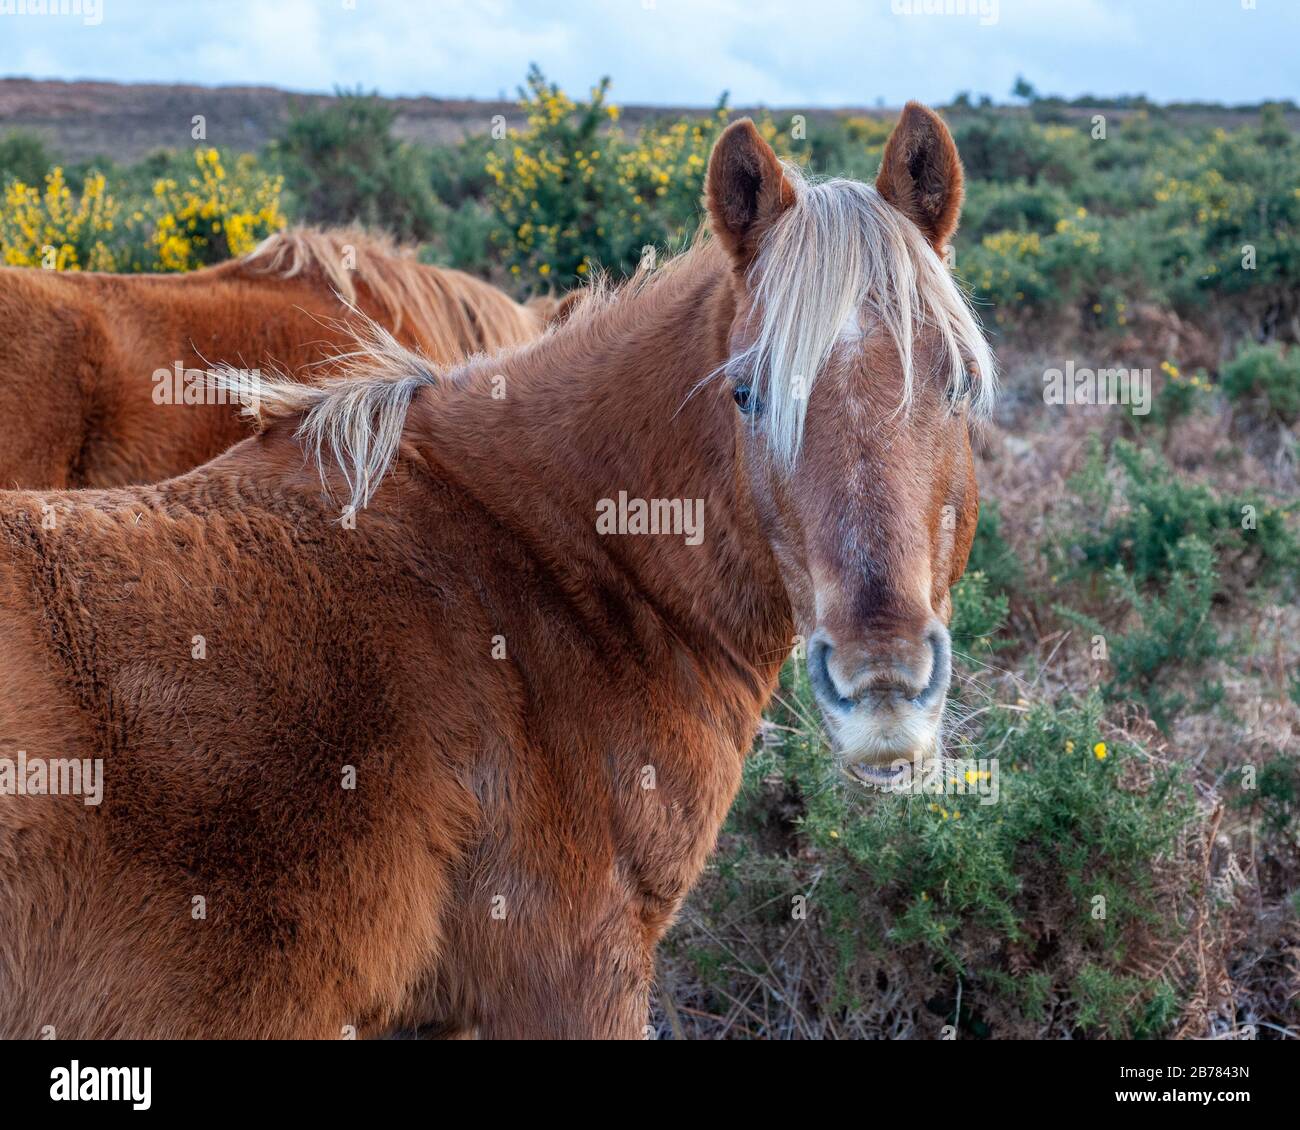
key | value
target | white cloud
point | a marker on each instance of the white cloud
(787, 52)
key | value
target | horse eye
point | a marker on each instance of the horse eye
(959, 391)
(745, 398)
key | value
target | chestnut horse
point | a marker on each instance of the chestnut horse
(101, 376)
(449, 750)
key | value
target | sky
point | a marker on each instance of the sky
(789, 53)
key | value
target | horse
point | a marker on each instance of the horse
(103, 377)
(421, 708)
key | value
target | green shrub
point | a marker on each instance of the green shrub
(1180, 396)
(991, 553)
(23, 157)
(1106, 1002)
(1226, 229)
(343, 165)
(465, 238)
(1006, 270)
(1276, 796)
(1195, 218)
(1158, 549)
(992, 206)
(458, 173)
(1137, 516)
(1088, 270)
(573, 192)
(1064, 880)
(1163, 631)
(1001, 147)
(978, 614)
(1265, 378)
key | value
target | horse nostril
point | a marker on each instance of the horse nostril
(917, 682)
(819, 674)
(940, 666)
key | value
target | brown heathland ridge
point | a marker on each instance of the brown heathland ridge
(546, 725)
(93, 380)
(84, 120)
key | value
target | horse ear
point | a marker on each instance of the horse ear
(746, 191)
(920, 174)
(552, 311)
(566, 306)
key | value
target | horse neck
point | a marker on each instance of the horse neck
(612, 407)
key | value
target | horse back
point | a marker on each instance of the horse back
(279, 810)
(54, 345)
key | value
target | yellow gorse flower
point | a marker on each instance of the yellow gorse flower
(50, 229)
(574, 189)
(214, 215)
(217, 213)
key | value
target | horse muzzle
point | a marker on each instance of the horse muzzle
(883, 700)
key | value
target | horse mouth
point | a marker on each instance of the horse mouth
(892, 776)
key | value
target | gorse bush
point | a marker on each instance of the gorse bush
(572, 191)
(1159, 549)
(1266, 380)
(343, 165)
(978, 614)
(1181, 395)
(23, 157)
(990, 552)
(51, 228)
(466, 237)
(991, 207)
(459, 173)
(1227, 229)
(189, 220)
(1082, 273)
(1046, 906)
(1276, 797)
(1198, 219)
(1162, 633)
(211, 214)
(1007, 271)
(995, 147)
(1137, 515)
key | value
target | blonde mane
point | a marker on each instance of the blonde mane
(446, 313)
(841, 257)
